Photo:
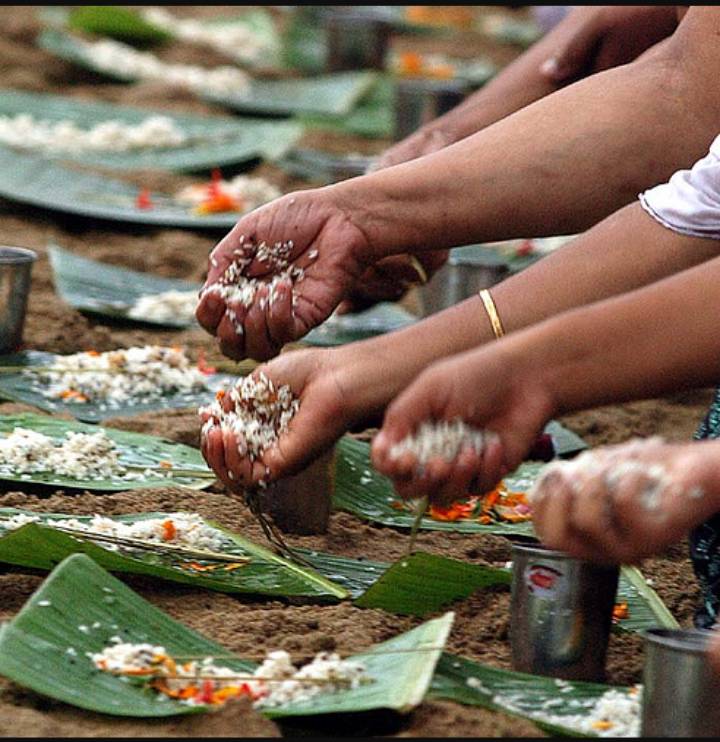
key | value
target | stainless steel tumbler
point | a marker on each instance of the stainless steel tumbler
(356, 40)
(15, 268)
(681, 691)
(561, 613)
(419, 100)
(466, 272)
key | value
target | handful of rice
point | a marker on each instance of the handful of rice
(259, 413)
(444, 440)
(235, 286)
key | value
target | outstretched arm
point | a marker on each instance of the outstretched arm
(589, 39)
(638, 345)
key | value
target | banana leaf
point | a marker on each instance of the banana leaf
(364, 492)
(645, 608)
(35, 181)
(515, 31)
(108, 290)
(136, 450)
(518, 694)
(349, 328)
(331, 94)
(373, 117)
(80, 607)
(15, 386)
(39, 546)
(213, 141)
(423, 583)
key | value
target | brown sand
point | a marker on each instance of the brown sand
(245, 625)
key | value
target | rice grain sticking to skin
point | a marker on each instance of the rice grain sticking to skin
(615, 714)
(613, 465)
(442, 439)
(121, 376)
(237, 288)
(178, 528)
(116, 57)
(326, 673)
(260, 413)
(27, 132)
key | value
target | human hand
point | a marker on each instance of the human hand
(601, 37)
(283, 298)
(620, 504)
(390, 278)
(334, 396)
(489, 390)
(426, 140)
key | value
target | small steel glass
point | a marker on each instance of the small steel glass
(465, 273)
(419, 100)
(356, 40)
(15, 269)
(560, 614)
(680, 689)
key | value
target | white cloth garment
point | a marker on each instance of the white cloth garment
(689, 203)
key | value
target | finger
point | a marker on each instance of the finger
(216, 454)
(258, 345)
(210, 311)
(230, 335)
(573, 56)
(279, 316)
(237, 464)
(492, 467)
(437, 475)
(466, 466)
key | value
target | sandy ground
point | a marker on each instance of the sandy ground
(242, 624)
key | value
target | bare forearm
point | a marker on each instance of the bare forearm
(626, 251)
(643, 344)
(557, 166)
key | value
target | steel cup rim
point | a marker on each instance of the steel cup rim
(11, 255)
(693, 641)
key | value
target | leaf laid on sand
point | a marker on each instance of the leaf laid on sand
(212, 141)
(423, 583)
(331, 94)
(108, 290)
(35, 181)
(15, 386)
(349, 328)
(81, 606)
(137, 451)
(519, 694)
(42, 547)
(362, 491)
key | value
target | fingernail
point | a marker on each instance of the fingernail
(550, 68)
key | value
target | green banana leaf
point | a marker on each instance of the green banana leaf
(36, 181)
(373, 117)
(518, 694)
(117, 23)
(416, 585)
(108, 290)
(331, 94)
(15, 386)
(38, 546)
(214, 141)
(423, 583)
(349, 328)
(515, 31)
(80, 607)
(111, 291)
(364, 492)
(136, 450)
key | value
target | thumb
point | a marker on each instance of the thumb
(573, 56)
